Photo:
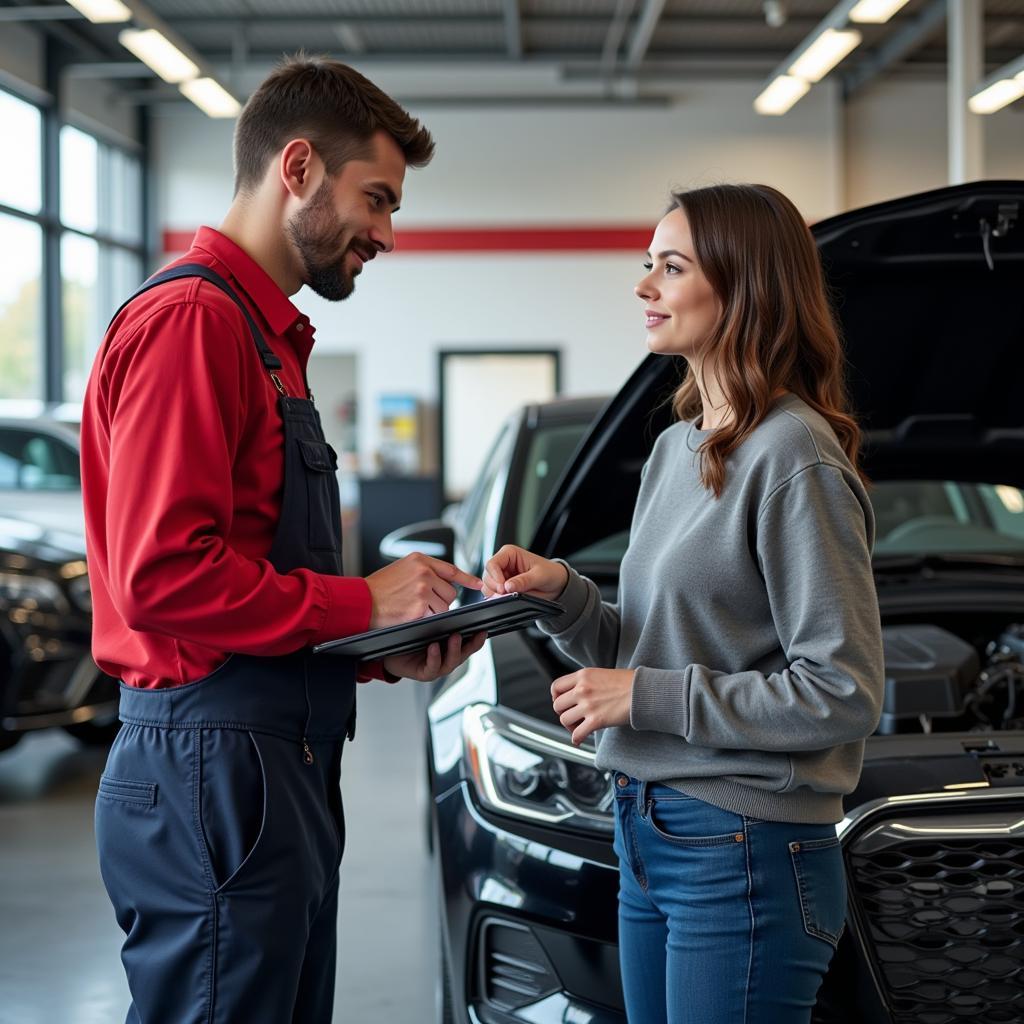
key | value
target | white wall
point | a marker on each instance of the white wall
(536, 166)
(550, 164)
(896, 141)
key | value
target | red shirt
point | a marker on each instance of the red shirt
(182, 474)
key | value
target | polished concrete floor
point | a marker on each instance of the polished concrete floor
(58, 940)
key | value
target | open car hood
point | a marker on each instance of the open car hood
(929, 292)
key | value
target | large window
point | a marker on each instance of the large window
(101, 258)
(21, 172)
(51, 322)
(21, 252)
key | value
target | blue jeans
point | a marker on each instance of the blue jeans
(723, 919)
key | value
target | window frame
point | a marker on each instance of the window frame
(54, 230)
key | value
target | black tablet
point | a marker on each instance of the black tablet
(495, 615)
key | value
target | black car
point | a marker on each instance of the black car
(47, 675)
(929, 293)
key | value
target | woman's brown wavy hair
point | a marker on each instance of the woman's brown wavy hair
(776, 328)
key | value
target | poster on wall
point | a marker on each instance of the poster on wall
(479, 390)
(399, 452)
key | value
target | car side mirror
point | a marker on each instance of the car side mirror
(431, 537)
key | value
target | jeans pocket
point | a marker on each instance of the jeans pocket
(232, 811)
(821, 886)
(687, 821)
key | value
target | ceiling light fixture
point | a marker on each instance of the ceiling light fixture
(827, 50)
(780, 95)
(211, 97)
(1001, 88)
(159, 54)
(102, 12)
(999, 94)
(875, 12)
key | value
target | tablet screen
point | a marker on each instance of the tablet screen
(494, 615)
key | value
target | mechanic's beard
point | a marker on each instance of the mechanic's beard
(318, 233)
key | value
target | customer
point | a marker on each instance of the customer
(741, 669)
(214, 540)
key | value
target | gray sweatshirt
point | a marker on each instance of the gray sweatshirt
(751, 621)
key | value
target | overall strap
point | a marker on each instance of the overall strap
(270, 361)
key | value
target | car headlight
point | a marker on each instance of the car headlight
(31, 593)
(522, 767)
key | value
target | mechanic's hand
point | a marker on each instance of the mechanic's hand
(413, 587)
(515, 570)
(428, 664)
(592, 698)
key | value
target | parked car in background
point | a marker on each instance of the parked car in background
(47, 675)
(928, 293)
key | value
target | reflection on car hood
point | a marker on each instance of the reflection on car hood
(927, 291)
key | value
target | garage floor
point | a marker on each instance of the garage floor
(58, 940)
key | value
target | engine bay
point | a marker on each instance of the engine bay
(937, 681)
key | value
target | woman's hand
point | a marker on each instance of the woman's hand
(427, 665)
(515, 570)
(592, 698)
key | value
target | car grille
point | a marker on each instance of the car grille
(516, 970)
(939, 904)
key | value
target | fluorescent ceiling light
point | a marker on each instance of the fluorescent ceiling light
(997, 95)
(875, 12)
(211, 97)
(781, 95)
(102, 12)
(157, 52)
(824, 54)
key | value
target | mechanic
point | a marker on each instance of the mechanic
(214, 544)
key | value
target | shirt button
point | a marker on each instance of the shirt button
(300, 327)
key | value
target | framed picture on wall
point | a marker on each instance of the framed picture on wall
(478, 390)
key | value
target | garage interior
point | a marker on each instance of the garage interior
(561, 127)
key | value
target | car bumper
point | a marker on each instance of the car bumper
(529, 927)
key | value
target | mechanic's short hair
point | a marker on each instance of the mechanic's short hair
(333, 106)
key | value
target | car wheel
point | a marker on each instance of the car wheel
(8, 739)
(93, 734)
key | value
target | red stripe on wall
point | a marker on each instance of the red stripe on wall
(565, 238)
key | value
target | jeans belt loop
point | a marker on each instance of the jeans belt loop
(641, 799)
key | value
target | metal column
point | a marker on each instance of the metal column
(966, 69)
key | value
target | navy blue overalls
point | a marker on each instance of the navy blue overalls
(219, 819)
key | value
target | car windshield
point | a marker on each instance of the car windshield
(930, 517)
(913, 517)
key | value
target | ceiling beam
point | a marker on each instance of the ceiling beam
(49, 13)
(644, 32)
(513, 29)
(616, 33)
(900, 44)
(539, 20)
